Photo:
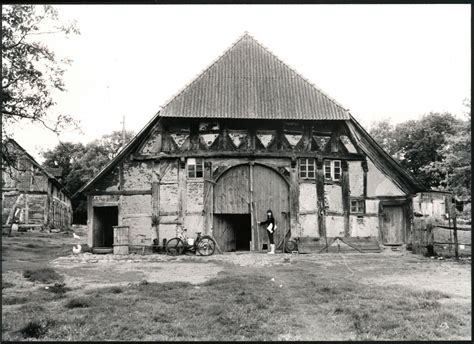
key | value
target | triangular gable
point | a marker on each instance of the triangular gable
(382, 159)
(36, 164)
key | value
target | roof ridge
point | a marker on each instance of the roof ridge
(201, 73)
(37, 164)
(298, 74)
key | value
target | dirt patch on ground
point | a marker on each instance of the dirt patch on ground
(101, 272)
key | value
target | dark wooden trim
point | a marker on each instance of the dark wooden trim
(155, 202)
(320, 198)
(294, 192)
(34, 192)
(182, 190)
(208, 206)
(98, 204)
(168, 213)
(120, 192)
(121, 176)
(239, 154)
(365, 170)
(345, 189)
(254, 226)
(334, 213)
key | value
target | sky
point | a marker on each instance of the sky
(379, 61)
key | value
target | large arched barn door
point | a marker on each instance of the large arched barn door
(231, 220)
(242, 195)
(270, 191)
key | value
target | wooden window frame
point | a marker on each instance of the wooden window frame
(332, 168)
(195, 168)
(357, 206)
(304, 171)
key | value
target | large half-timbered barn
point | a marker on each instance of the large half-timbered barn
(247, 135)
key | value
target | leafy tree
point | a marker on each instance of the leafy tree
(81, 163)
(63, 155)
(456, 164)
(31, 73)
(418, 144)
(384, 133)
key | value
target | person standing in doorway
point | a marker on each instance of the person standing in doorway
(270, 222)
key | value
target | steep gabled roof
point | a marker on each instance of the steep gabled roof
(36, 164)
(248, 81)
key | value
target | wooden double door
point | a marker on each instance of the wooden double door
(249, 191)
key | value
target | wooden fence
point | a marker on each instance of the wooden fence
(432, 236)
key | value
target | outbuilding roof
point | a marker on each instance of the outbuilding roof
(248, 81)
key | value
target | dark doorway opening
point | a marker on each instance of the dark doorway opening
(233, 231)
(243, 231)
(104, 220)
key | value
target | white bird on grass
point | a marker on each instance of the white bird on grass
(76, 250)
(75, 236)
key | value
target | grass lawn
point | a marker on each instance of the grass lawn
(314, 298)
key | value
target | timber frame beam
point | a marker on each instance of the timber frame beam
(226, 154)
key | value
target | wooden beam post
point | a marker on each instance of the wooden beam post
(320, 198)
(253, 215)
(182, 190)
(455, 235)
(155, 201)
(345, 189)
(208, 198)
(90, 221)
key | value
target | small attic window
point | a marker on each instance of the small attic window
(208, 127)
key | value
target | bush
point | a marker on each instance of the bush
(77, 303)
(45, 275)
(7, 285)
(34, 329)
(58, 288)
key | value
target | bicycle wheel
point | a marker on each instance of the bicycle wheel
(206, 246)
(174, 246)
(291, 246)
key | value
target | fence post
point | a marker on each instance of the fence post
(455, 235)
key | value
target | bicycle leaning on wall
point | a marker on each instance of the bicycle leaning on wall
(203, 245)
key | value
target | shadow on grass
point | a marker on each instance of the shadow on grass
(44, 275)
(245, 304)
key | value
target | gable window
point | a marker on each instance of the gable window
(332, 170)
(195, 167)
(307, 168)
(357, 206)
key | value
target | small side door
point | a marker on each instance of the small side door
(393, 225)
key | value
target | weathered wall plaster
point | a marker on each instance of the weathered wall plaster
(307, 197)
(364, 226)
(309, 225)
(194, 196)
(334, 226)
(137, 175)
(378, 184)
(333, 197)
(356, 179)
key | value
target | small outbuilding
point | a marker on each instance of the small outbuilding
(249, 134)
